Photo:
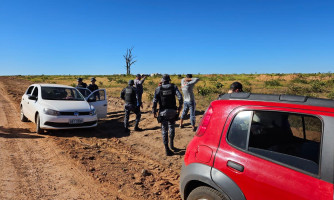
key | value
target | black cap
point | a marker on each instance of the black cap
(138, 75)
(189, 76)
(79, 79)
(165, 78)
(131, 82)
(236, 85)
(93, 79)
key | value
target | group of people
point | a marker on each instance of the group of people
(92, 87)
(164, 96)
(168, 112)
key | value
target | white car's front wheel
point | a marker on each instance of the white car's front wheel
(22, 116)
(38, 125)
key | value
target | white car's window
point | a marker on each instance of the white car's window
(59, 93)
(30, 89)
(35, 92)
(85, 92)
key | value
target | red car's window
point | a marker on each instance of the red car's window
(288, 138)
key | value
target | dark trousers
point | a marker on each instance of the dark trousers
(168, 126)
(128, 108)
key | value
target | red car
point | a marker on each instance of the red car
(261, 147)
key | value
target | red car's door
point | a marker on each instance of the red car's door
(275, 154)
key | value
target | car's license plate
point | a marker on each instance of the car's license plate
(76, 121)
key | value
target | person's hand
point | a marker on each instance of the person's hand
(180, 109)
(155, 115)
(141, 106)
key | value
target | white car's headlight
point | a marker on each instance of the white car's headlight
(50, 112)
(92, 112)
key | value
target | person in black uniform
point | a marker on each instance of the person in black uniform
(81, 84)
(129, 95)
(168, 111)
(92, 87)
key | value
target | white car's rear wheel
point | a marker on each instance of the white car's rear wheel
(22, 116)
(38, 125)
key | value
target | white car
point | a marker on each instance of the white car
(53, 106)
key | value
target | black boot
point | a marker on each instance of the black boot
(171, 144)
(136, 126)
(168, 151)
(138, 129)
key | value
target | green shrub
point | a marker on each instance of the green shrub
(330, 82)
(205, 91)
(150, 96)
(317, 86)
(121, 81)
(272, 83)
(73, 85)
(150, 83)
(299, 80)
(218, 85)
(331, 95)
(247, 89)
(298, 90)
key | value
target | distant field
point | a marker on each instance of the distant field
(314, 85)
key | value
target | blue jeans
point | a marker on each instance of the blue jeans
(189, 105)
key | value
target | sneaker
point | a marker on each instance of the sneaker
(194, 129)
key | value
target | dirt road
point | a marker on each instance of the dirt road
(105, 163)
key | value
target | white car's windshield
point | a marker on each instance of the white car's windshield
(60, 93)
(84, 91)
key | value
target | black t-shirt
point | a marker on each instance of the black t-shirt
(82, 85)
(92, 87)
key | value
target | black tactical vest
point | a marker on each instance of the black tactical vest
(130, 95)
(167, 96)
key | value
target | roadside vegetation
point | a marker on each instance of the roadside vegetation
(315, 85)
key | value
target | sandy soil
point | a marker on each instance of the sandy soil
(101, 163)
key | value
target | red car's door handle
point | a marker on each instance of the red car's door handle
(235, 166)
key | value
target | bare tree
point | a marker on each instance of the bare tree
(129, 60)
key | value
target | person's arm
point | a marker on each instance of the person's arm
(193, 81)
(123, 94)
(179, 97)
(155, 101)
(142, 80)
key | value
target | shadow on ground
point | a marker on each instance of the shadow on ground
(17, 133)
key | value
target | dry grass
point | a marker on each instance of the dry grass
(210, 86)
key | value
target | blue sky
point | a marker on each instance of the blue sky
(225, 36)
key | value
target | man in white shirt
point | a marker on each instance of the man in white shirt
(187, 86)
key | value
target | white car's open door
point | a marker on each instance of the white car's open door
(98, 99)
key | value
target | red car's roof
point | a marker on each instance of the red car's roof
(287, 101)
